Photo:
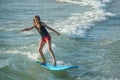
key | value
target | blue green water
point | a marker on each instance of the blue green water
(89, 38)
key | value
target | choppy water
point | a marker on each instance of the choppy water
(89, 38)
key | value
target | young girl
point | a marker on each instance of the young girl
(45, 37)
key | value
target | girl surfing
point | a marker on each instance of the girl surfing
(45, 37)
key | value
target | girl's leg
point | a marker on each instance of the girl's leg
(41, 45)
(51, 52)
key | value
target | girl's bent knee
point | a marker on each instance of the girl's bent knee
(40, 50)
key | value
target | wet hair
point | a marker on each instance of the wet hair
(38, 17)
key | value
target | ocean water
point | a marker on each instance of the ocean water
(90, 38)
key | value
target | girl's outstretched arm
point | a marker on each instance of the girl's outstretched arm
(26, 29)
(51, 29)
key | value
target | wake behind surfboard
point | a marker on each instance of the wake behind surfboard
(56, 68)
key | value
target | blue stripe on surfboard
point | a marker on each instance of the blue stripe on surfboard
(58, 67)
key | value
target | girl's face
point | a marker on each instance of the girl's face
(35, 20)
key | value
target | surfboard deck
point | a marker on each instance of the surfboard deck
(56, 68)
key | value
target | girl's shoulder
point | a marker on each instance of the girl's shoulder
(42, 23)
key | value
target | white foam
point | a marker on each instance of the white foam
(92, 3)
(62, 63)
(12, 51)
(77, 25)
(110, 14)
(33, 56)
(71, 1)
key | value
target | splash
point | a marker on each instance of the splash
(78, 24)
